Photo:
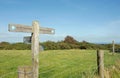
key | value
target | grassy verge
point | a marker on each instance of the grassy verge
(56, 63)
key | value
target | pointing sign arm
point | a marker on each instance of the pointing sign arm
(44, 30)
(19, 28)
(28, 29)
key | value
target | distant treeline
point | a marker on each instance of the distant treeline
(68, 43)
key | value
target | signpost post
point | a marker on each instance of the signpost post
(35, 29)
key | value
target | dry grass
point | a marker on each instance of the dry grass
(114, 71)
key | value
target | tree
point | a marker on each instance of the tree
(70, 40)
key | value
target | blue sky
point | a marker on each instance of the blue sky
(91, 20)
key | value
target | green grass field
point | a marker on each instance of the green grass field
(56, 63)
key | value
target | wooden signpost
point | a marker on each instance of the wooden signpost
(35, 29)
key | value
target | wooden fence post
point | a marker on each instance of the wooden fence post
(35, 49)
(25, 72)
(100, 63)
(113, 47)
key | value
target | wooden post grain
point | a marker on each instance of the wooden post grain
(35, 49)
(100, 63)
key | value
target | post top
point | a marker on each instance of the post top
(35, 21)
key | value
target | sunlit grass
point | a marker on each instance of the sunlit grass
(55, 63)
